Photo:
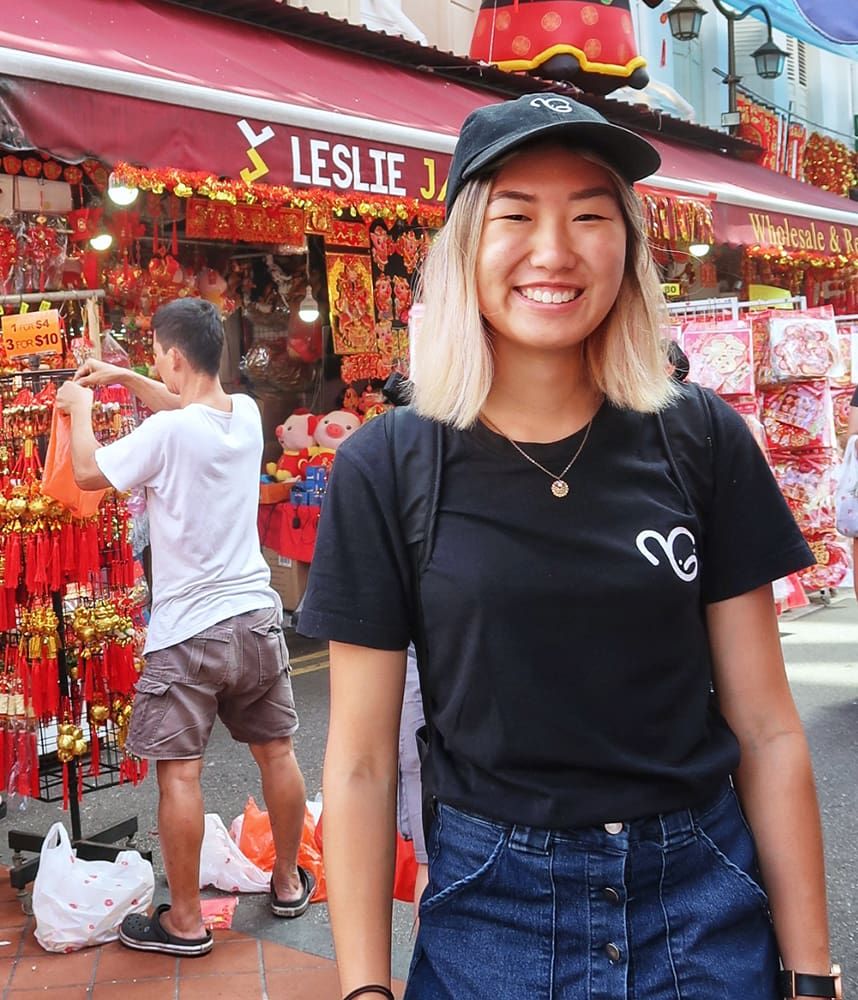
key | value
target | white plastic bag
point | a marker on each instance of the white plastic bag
(79, 903)
(223, 865)
(846, 500)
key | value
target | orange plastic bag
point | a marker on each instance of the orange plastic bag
(405, 866)
(58, 476)
(256, 843)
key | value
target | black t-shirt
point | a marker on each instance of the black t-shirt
(568, 675)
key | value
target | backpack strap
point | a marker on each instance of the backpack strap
(686, 430)
(417, 455)
(416, 446)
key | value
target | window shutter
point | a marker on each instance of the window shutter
(796, 73)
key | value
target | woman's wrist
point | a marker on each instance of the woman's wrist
(370, 989)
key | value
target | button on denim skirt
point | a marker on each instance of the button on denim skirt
(664, 908)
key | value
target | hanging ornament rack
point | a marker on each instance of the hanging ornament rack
(70, 645)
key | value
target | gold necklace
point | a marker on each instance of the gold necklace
(559, 486)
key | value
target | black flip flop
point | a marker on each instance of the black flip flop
(147, 934)
(295, 907)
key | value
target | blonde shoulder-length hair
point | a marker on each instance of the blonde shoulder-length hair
(451, 352)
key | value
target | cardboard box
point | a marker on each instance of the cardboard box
(35, 194)
(275, 492)
(288, 578)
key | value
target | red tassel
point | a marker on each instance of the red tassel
(94, 562)
(30, 563)
(55, 575)
(68, 545)
(88, 685)
(43, 553)
(174, 245)
(12, 564)
(51, 673)
(95, 757)
(36, 688)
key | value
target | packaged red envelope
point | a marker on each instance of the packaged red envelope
(720, 357)
(846, 334)
(218, 913)
(759, 322)
(798, 415)
(804, 346)
(808, 482)
(841, 401)
(832, 562)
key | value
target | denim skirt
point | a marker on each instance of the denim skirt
(664, 908)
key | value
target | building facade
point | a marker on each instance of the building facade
(683, 75)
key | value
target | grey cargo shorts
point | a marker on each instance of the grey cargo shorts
(237, 670)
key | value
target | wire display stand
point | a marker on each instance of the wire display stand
(712, 310)
(79, 775)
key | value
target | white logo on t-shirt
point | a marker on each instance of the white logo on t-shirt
(684, 566)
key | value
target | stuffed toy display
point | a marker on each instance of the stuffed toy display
(295, 435)
(330, 432)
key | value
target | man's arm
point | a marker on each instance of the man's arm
(153, 394)
(75, 402)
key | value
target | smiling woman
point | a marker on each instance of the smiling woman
(591, 606)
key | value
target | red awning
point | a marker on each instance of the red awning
(753, 205)
(161, 85)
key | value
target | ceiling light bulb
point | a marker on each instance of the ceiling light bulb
(101, 241)
(699, 249)
(308, 311)
(119, 193)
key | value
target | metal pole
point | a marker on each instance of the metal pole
(72, 295)
(732, 79)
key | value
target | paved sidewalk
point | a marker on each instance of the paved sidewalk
(239, 967)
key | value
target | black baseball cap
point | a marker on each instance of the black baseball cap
(490, 132)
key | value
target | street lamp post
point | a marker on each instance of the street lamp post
(685, 19)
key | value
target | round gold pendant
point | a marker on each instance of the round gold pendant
(560, 488)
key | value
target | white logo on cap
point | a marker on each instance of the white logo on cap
(561, 104)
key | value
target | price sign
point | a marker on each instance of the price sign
(672, 289)
(32, 333)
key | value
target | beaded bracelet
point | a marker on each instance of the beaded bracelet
(373, 988)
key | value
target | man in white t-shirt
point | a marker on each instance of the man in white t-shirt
(215, 645)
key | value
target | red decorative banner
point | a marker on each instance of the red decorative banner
(351, 303)
(348, 234)
(208, 219)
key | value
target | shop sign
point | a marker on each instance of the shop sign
(32, 333)
(671, 289)
(302, 158)
(786, 233)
